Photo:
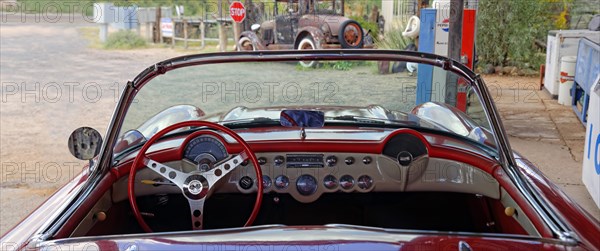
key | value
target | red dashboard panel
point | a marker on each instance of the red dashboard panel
(434, 150)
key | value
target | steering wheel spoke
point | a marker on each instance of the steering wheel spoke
(175, 176)
(224, 168)
(197, 213)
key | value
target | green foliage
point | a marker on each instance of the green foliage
(366, 25)
(393, 39)
(336, 65)
(124, 39)
(507, 30)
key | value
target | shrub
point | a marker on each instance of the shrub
(393, 38)
(366, 25)
(124, 39)
(507, 30)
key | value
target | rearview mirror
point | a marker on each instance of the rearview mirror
(255, 27)
(85, 143)
(302, 118)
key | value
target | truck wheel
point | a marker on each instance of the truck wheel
(245, 44)
(351, 35)
(307, 43)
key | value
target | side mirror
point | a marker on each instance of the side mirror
(255, 27)
(85, 143)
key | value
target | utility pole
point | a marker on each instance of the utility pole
(454, 47)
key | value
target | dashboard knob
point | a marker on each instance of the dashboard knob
(278, 160)
(349, 160)
(330, 182)
(347, 182)
(306, 184)
(282, 182)
(262, 161)
(365, 182)
(367, 160)
(246, 182)
(331, 160)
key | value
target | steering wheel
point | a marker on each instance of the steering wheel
(196, 186)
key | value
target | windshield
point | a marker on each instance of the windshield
(362, 93)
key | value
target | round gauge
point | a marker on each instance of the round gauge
(365, 182)
(281, 182)
(346, 182)
(330, 182)
(205, 150)
(306, 184)
(266, 182)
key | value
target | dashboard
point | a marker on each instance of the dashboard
(401, 162)
(307, 175)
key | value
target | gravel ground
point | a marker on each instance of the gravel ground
(52, 83)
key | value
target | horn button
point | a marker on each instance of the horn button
(195, 187)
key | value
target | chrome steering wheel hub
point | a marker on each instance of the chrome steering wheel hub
(195, 187)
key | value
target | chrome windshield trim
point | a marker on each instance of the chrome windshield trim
(215, 234)
(505, 153)
(507, 159)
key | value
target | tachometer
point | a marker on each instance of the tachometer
(205, 150)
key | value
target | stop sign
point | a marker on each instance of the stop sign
(237, 11)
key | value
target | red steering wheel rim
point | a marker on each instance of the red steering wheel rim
(138, 164)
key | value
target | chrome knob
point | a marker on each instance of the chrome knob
(367, 160)
(262, 161)
(278, 160)
(349, 160)
(331, 160)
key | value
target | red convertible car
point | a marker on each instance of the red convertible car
(248, 151)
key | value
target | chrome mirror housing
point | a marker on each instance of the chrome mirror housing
(85, 143)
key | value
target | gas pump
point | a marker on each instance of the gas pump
(433, 38)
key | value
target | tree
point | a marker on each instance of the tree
(507, 30)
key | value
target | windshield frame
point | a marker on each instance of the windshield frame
(505, 154)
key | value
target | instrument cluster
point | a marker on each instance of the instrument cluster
(307, 175)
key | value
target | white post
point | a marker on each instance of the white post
(103, 32)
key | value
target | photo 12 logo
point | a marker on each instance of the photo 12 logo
(65, 11)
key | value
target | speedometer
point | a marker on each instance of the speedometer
(205, 150)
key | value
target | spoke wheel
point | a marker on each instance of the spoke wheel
(351, 35)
